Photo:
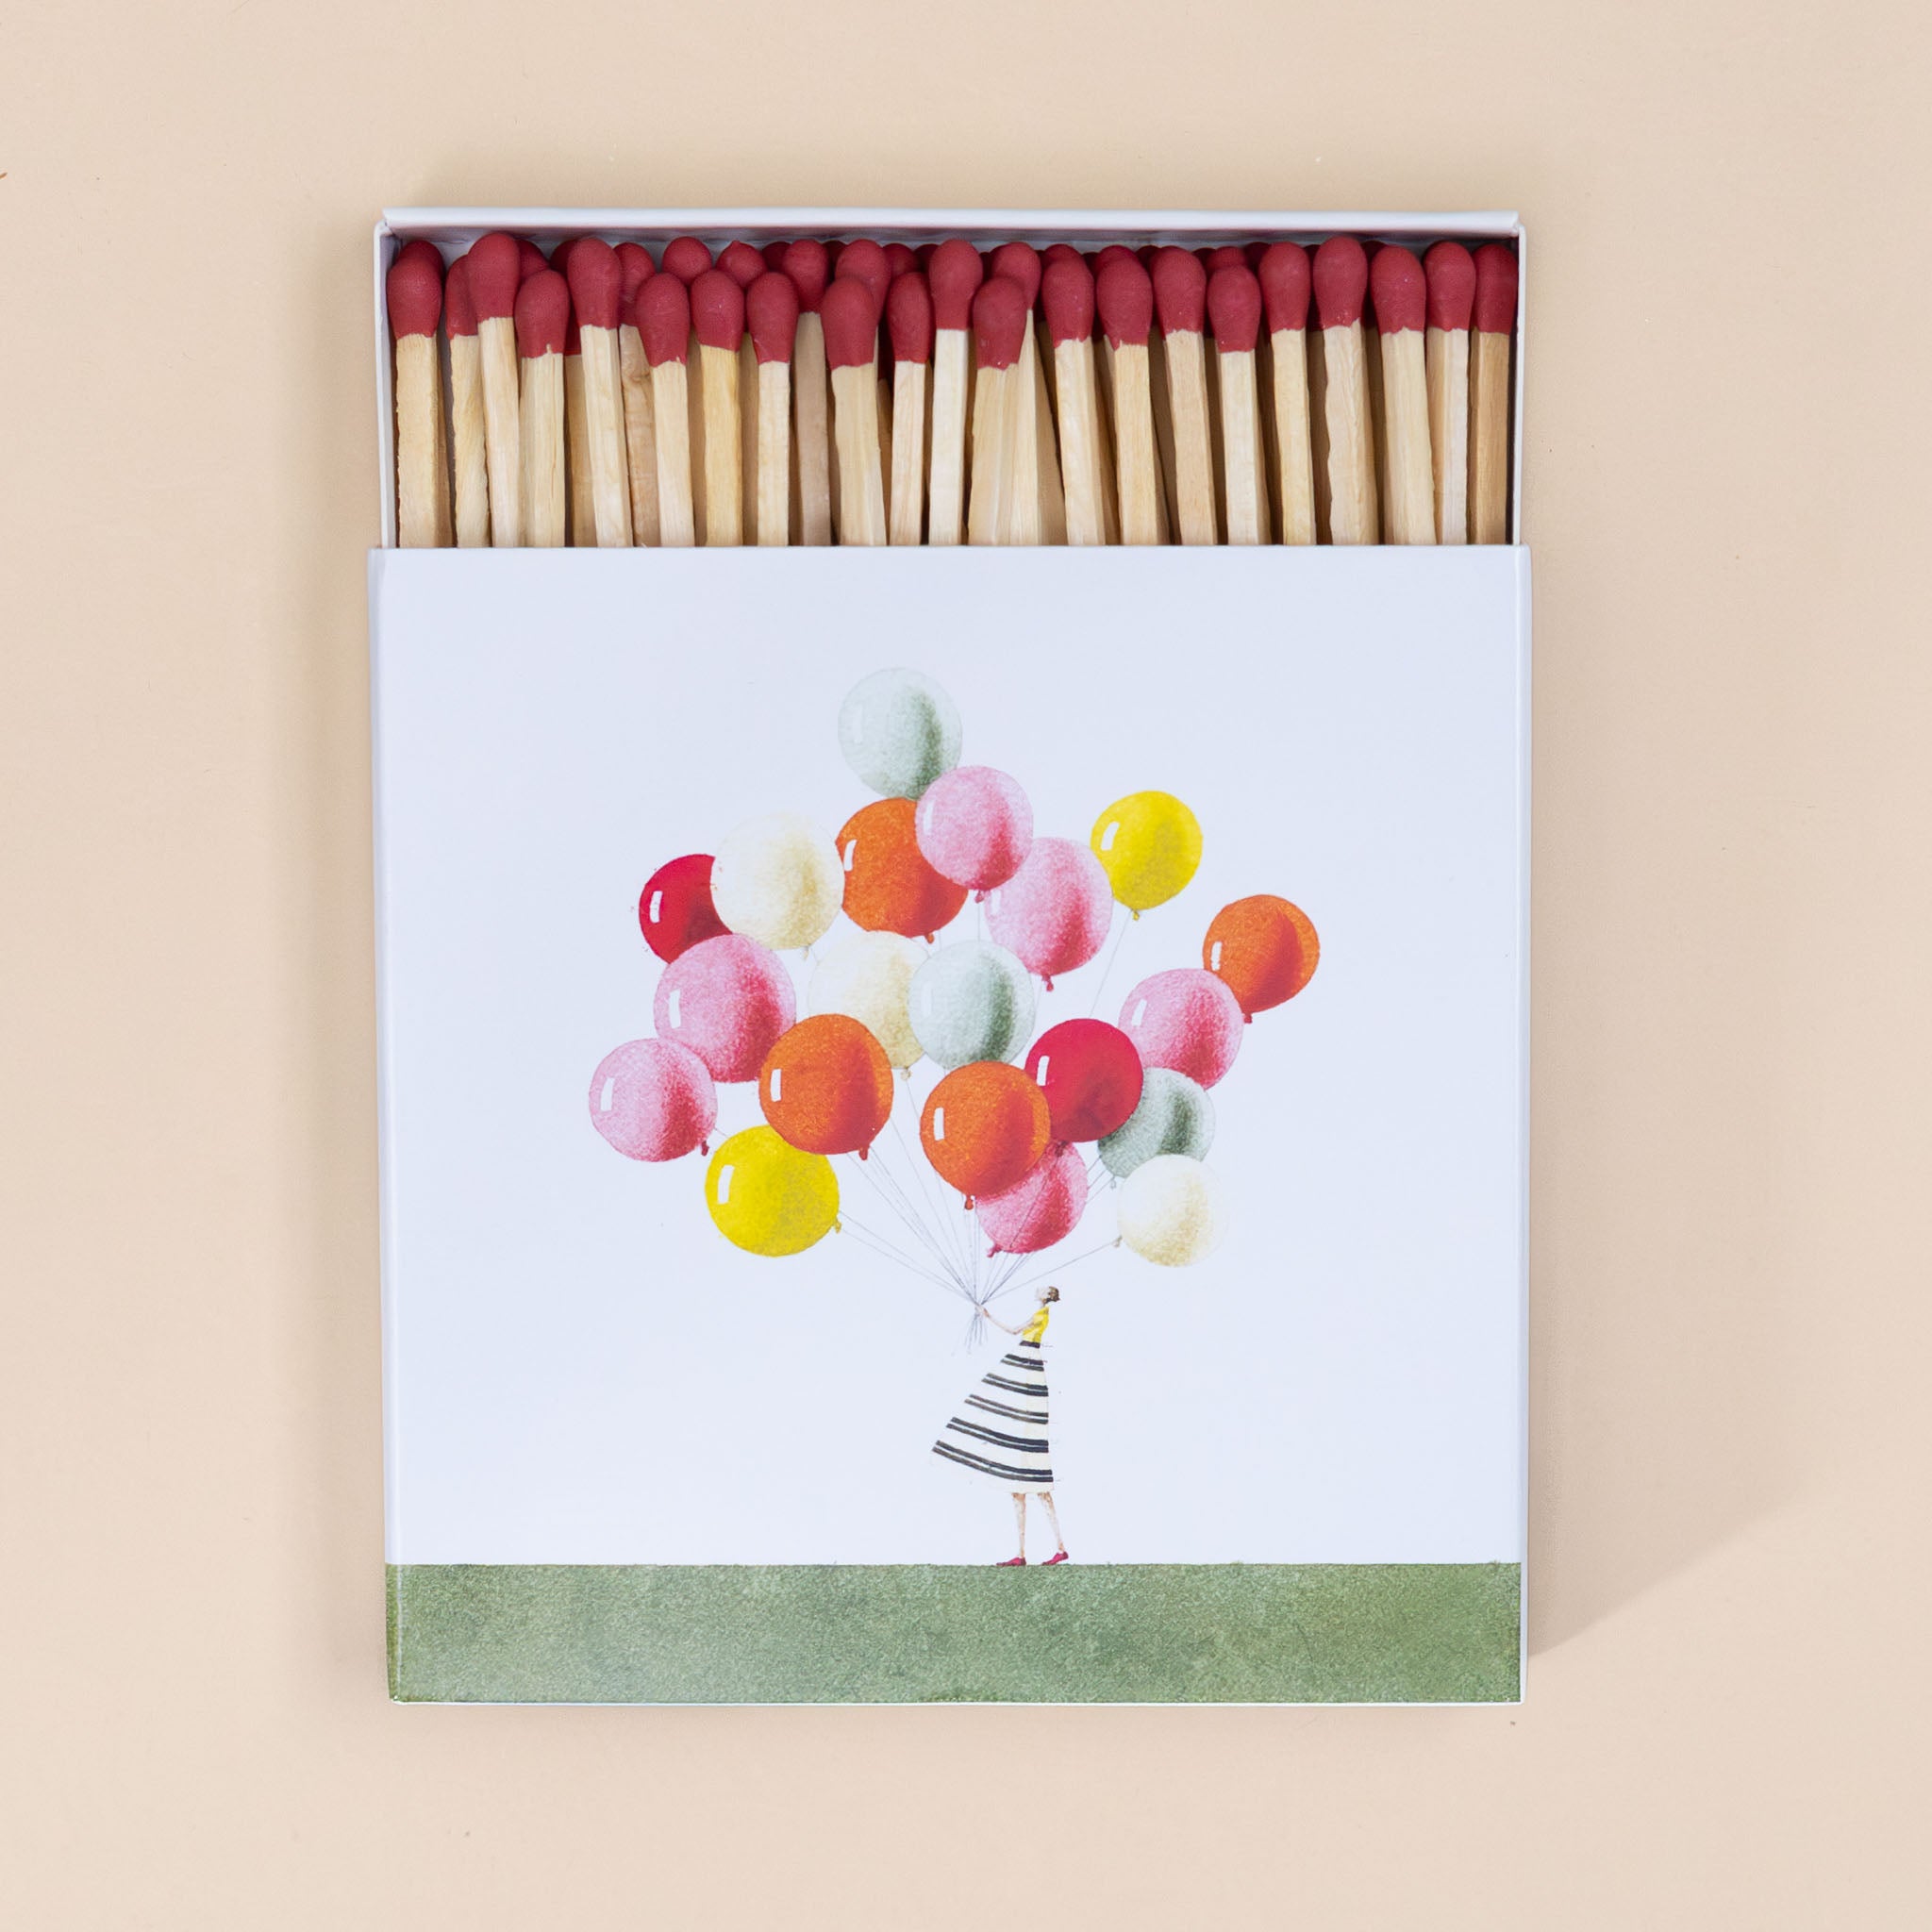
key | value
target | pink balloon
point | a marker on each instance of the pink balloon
(1186, 1020)
(1052, 914)
(653, 1100)
(727, 1000)
(975, 826)
(1045, 1207)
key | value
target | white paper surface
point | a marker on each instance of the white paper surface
(579, 1368)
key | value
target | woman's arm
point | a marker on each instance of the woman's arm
(995, 1320)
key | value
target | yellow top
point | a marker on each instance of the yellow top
(1036, 1329)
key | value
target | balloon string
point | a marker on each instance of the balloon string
(1107, 971)
(1060, 1267)
(923, 1178)
(912, 1226)
(928, 1233)
(867, 1238)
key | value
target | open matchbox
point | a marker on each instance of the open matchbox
(663, 1429)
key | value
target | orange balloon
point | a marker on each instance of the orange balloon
(827, 1086)
(890, 885)
(1263, 949)
(984, 1128)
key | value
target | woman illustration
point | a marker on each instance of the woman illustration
(1000, 1432)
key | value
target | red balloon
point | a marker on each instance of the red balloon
(675, 910)
(888, 884)
(984, 1127)
(1090, 1074)
(827, 1086)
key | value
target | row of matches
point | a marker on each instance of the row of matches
(814, 392)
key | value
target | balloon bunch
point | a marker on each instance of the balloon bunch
(1004, 1125)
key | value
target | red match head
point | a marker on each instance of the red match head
(1123, 294)
(1019, 261)
(955, 273)
(1253, 252)
(1234, 306)
(1369, 250)
(926, 251)
(1401, 293)
(1229, 255)
(1341, 279)
(663, 314)
(809, 269)
(1180, 292)
(865, 262)
(1114, 251)
(770, 312)
(772, 254)
(597, 283)
(900, 260)
(1495, 289)
(413, 291)
(742, 262)
(1066, 291)
(1055, 251)
(530, 258)
(717, 310)
(496, 270)
(458, 304)
(635, 261)
(542, 313)
(686, 258)
(424, 251)
(851, 322)
(908, 318)
(559, 255)
(1283, 272)
(999, 322)
(1450, 272)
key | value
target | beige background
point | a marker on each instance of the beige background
(1728, 500)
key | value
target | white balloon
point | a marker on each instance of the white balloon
(1171, 1211)
(776, 880)
(866, 978)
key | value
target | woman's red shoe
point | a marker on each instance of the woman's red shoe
(1057, 1557)
(1011, 1562)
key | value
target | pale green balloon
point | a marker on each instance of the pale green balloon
(971, 1001)
(899, 731)
(1175, 1116)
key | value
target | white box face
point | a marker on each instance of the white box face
(581, 1370)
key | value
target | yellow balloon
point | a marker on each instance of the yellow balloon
(1149, 844)
(768, 1197)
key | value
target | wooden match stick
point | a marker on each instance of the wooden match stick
(596, 292)
(1102, 363)
(999, 332)
(1180, 301)
(770, 312)
(744, 265)
(772, 254)
(864, 260)
(1450, 271)
(1034, 508)
(466, 409)
(1341, 278)
(809, 268)
(543, 321)
(1125, 297)
(954, 272)
(1372, 369)
(413, 293)
(1409, 507)
(717, 314)
(577, 435)
(639, 438)
(1283, 272)
(1494, 318)
(852, 330)
(1234, 309)
(687, 258)
(495, 274)
(663, 318)
(909, 322)
(1066, 291)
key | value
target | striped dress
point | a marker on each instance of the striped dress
(1000, 1430)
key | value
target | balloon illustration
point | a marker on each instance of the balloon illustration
(827, 1086)
(888, 884)
(769, 1198)
(1053, 912)
(675, 910)
(1185, 1019)
(653, 1100)
(1264, 948)
(1150, 844)
(971, 1001)
(776, 880)
(899, 731)
(868, 977)
(984, 1128)
(727, 1000)
(1171, 1212)
(1045, 1207)
(1175, 1116)
(976, 826)
(1090, 1075)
